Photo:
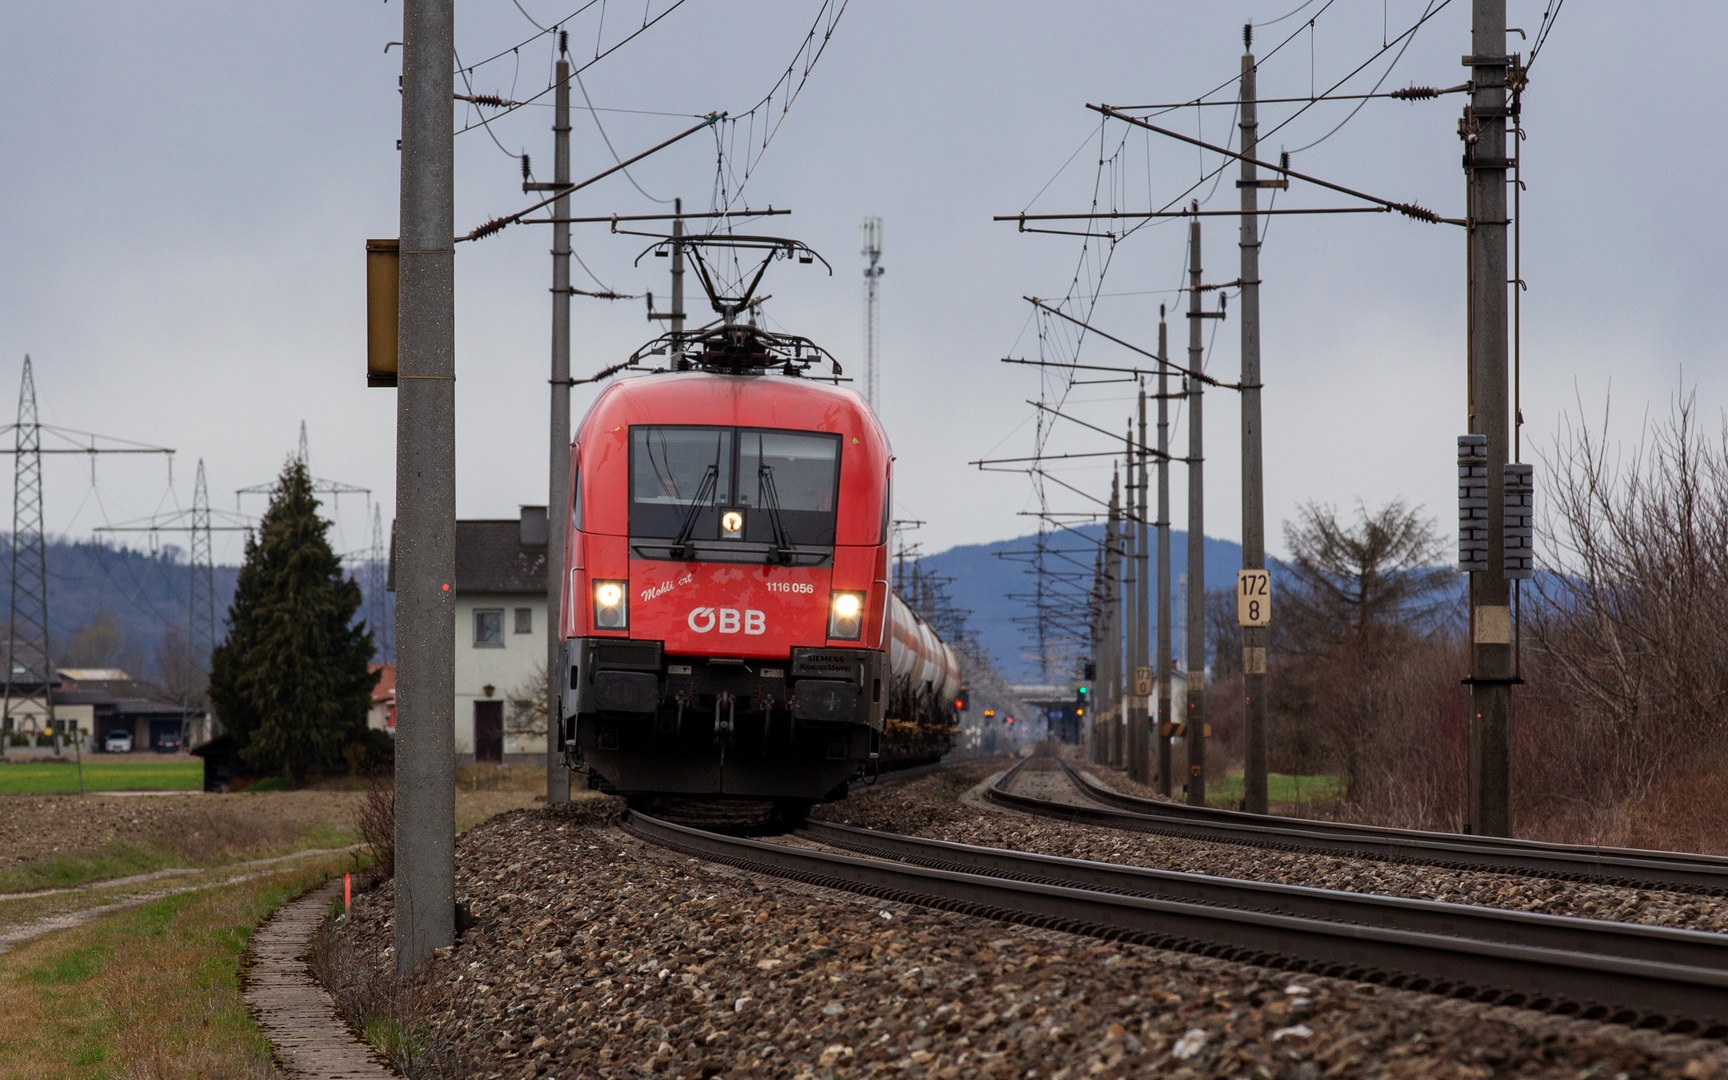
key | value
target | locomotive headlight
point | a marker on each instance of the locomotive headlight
(611, 611)
(732, 525)
(846, 616)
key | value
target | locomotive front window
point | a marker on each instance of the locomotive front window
(794, 474)
(672, 468)
(687, 483)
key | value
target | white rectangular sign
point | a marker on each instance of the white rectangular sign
(1253, 598)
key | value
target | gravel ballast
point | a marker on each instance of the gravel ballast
(945, 806)
(601, 956)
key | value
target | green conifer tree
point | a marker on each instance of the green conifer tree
(290, 680)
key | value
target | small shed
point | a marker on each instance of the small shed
(221, 762)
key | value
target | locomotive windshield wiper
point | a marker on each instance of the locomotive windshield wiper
(770, 500)
(681, 545)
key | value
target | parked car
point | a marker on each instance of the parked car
(118, 742)
(168, 743)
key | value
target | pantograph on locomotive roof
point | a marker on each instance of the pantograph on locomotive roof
(727, 345)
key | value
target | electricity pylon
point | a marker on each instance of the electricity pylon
(29, 696)
(29, 678)
(199, 522)
(201, 609)
(376, 588)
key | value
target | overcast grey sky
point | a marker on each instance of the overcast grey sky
(188, 186)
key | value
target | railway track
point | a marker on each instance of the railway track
(1627, 867)
(1675, 980)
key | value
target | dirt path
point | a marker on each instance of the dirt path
(293, 1011)
(173, 871)
(14, 936)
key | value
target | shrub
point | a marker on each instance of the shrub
(375, 821)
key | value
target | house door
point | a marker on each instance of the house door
(489, 731)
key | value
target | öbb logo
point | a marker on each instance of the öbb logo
(727, 620)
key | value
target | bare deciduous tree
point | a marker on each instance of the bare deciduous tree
(1223, 636)
(526, 715)
(1628, 628)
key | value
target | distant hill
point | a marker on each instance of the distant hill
(145, 594)
(985, 574)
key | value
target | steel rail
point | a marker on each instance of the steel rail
(1694, 948)
(1673, 996)
(1627, 867)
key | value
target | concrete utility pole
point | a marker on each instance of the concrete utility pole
(677, 320)
(1194, 734)
(1485, 164)
(1253, 478)
(1112, 620)
(426, 492)
(1089, 721)
(1164, 720)
(1142, 612)
(1131, 622)
(558, 497)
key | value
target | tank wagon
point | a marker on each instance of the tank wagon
(728, 626)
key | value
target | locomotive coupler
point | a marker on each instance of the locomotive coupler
(723, 725)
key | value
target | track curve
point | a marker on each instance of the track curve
(1626, 867)
(1615, 972)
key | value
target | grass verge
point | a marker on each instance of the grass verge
(49, 778)
(147, 993)
(1280, 788)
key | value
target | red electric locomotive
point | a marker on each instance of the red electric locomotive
(726, 607)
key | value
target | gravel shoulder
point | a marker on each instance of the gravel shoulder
(600, 956)
(949, 806)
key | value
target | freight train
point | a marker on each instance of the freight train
(728, 626)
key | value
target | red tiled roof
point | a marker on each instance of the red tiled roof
(386, 688)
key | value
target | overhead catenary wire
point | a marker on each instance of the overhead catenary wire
(808, 53)
(1287, 120)
(529, 40)
(1411, 210)
(586, 100)
(1085, 288)
(634, 34)
(1383, 77)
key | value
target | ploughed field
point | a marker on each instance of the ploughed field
(598, 955)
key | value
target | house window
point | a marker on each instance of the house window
(489, 628)
(524, 620)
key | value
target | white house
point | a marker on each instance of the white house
(501, 638)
